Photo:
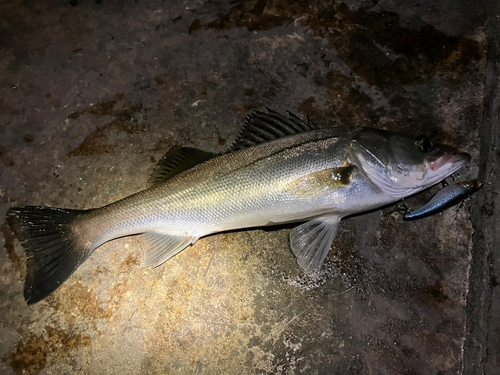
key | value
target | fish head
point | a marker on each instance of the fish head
(400, 165)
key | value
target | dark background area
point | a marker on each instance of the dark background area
(93, 93)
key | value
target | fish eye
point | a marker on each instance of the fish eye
(424, 144)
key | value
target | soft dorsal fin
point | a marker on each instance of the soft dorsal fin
(261, 127)
(176, 160)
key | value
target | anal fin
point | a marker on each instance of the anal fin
(311, 241)
(158, 248)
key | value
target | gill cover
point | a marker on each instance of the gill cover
(398, 165)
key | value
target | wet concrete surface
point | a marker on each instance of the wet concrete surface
(92, 94)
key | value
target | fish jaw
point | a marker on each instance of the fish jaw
(399, 182)
(444, 166)
(452, 158)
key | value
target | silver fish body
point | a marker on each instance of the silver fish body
(309, 174)
(286, 180)
(445, 198)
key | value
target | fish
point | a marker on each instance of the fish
(280, 169)
(445, 198)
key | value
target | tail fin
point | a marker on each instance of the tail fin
(51, 248)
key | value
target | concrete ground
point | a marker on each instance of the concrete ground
(93, 93)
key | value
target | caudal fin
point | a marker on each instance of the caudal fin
(51, 248)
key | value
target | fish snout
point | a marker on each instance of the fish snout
(458, 159)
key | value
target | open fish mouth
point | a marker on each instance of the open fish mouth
(447, 164)
(452, 160)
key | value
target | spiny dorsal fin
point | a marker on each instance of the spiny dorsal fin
(261, 127)
(177, 160)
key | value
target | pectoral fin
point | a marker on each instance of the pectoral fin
(311, 241)
(158, 248)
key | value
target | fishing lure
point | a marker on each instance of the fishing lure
(445, 198)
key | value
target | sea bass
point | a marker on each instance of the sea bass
(280, 170)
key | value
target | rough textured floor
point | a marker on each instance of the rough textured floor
(92, 94)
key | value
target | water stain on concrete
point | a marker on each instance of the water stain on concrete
(195, 26)
(376, 46)
(30, 355)
(100, 141)
(9, 246)
(434, 293)
(28, 138)
(5, 159)
(129, 262)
